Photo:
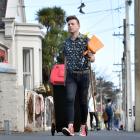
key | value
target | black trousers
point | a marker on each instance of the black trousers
(91, 119)
(77, 83)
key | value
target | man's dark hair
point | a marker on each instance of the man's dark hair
(72, 17)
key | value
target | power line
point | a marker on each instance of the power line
(106, 30)
(106, 10)
(93, 12)
(98, 22)
(63, 4)
(98, 11)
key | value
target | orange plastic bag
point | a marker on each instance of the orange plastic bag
(94, 45)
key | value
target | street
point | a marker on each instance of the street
(98, 135)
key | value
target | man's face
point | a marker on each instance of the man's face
(73, 26)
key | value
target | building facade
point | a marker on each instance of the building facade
(21, 48)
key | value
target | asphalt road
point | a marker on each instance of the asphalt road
(99, 135)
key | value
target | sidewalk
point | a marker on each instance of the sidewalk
(97, 135)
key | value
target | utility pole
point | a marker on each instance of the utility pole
(126, 70)
(137, 65)
(124, 77)
(129, 123)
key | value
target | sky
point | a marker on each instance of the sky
(102, 18)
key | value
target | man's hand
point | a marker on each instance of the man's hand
(91, 56)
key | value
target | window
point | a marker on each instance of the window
(28, 68)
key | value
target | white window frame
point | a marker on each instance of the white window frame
(28, 68)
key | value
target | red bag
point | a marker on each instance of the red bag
(57, 74)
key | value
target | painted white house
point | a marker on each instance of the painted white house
(22, 46)
(24, 41)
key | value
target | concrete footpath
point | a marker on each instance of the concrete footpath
(97, 135)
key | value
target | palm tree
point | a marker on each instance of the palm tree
(53, 19)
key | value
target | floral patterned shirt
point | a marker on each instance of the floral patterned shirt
(73, 52)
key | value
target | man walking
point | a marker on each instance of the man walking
(77, 75)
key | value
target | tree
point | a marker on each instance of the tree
(106, 88)
(51, 51)
(53, 20)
